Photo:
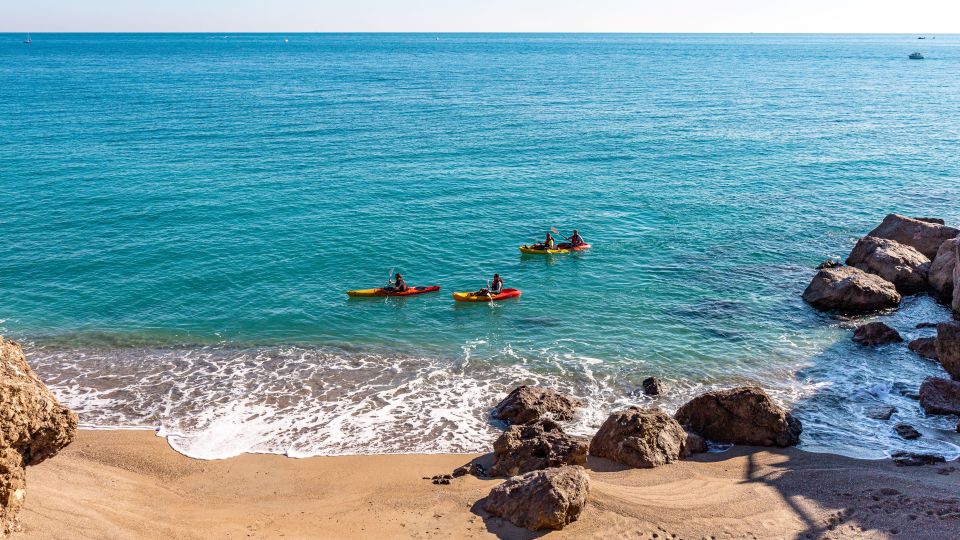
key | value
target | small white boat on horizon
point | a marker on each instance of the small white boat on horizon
(27, 40)
(916, 56)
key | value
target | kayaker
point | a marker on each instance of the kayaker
(398, 284)
(575, 239)
(550, 243)
(496, 287)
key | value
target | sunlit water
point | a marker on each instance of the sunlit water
(183, 213)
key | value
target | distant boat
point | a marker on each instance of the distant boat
(921, 37)
(916, 56)
(28, 40)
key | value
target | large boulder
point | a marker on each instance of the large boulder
(876, 333)
(744, 415)
(526, 404)
(899, 264)
(850, 289)
(925, 347)
(956, 279)
(942, 268)
(545, 499)
(940, 396)
(923, 236)
(539, 445)
(948, 348)
(33, 427)
(643, 438)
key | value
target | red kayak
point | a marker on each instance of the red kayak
(411, 291)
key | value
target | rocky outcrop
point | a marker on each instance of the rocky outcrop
(948, 348)
(922, 236)
(538, 445)
(850, 289)
(829, 263)
(940, 396)
(743, 415)
(914, 459)
(956, 279)
(652, 386)
(901, 265)
(906, 431)
(876, 333)
(546, 499)
(925, 347)
(33, 427)
(643, 438)
(942, 268)
(695, 444)
(526, 404)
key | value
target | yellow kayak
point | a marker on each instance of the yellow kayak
(474, 297)
(561, 248)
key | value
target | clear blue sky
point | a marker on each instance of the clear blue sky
(908, 16)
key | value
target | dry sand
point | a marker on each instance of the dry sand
(131, 484)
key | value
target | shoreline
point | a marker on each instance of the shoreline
(131, 484)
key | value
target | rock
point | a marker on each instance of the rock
(538, 445)
(922, 236)
(472, 468)
(546, 499)
(956, 279)
(941, 271)
(529, 403)
(881, 412)
(940, 396)
(901, 265)
(906, 431)
(913, 459)
(829, 263)
(695, 444)
(33, 427)
(644, 438)
(851, 290)
(938, 221)
(744, 415)
(948, 348)
(926, 325)
(876, 333)
(653, 386)
(925, 347)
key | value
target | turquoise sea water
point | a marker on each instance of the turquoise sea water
(183, 213)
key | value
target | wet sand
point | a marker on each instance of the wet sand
(131, 484)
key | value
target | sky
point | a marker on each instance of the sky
(880, 16)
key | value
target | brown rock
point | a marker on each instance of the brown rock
(940, 396)
(906, 431)
(743, 415)
(538, 445)
(851, 290)
(940, 276)
(545, 499)
(695, 444)
(901, 265)
(948, 348)
(876, 333)
(33, 427)
(956, 279)
(925, 347)
(923, 236)
(652, 386)
(914, 459)
(644, 438)
(829, 263)
(529, 403)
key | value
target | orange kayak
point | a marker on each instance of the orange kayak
(411, 291)
(474, 297)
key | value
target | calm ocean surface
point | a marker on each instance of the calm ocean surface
(183, 213)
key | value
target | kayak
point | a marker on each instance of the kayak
(411, 291)
(561, 248)
(474, 297)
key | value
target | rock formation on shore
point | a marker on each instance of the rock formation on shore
(901, 265)
(527, 404)
(744, 415)
(850, 289)
(539, 445)
(942, 269)
(940, 396)
(876, 333)
(643, 438)
(545, 499)
(925, 235)
(956, 278)
(948, 348)
(33, 427)
(925, 347)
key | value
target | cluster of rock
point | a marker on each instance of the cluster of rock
(33, 427)
(902, 256)
(548, 486)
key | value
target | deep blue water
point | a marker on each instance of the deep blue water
(183, 213)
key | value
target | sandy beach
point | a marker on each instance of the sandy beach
(131, 484)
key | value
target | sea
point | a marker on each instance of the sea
(183, 214)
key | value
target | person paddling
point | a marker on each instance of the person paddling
(398, 284)
(496, 287)
(550, 243)
(575, 239)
